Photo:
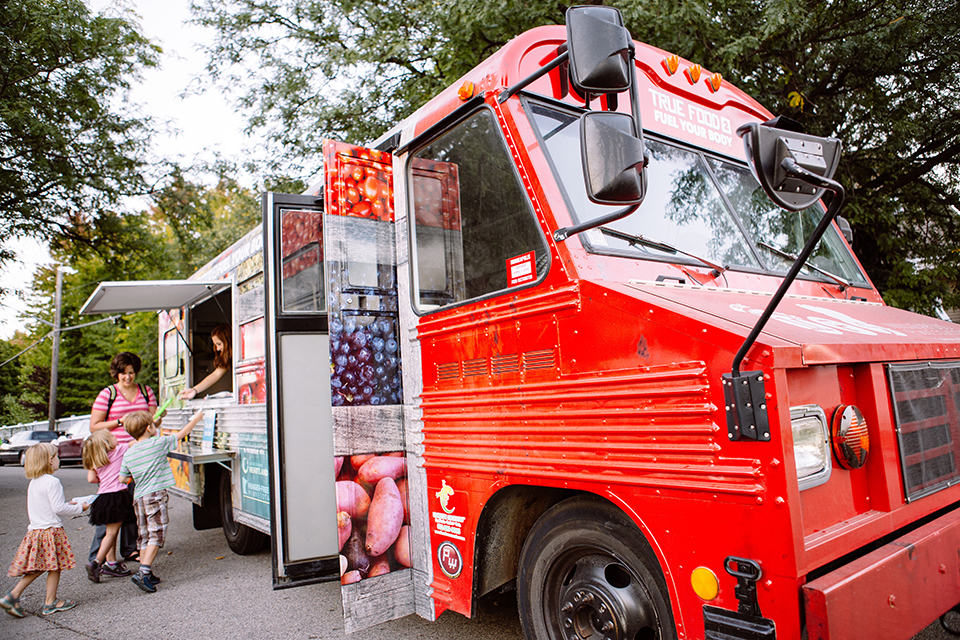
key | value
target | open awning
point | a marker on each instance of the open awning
(149, 295)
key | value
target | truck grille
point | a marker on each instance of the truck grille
(926, 405)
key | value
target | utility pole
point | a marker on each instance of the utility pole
(55, 358)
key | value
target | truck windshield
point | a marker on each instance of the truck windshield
(700, 204)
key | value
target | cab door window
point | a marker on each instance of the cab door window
(474, 229)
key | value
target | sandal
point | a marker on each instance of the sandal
(12, 605)
(59, 605)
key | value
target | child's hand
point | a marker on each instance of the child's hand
(199, 414)
(86, 506)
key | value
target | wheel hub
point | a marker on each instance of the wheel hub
(585, 614)
(600, 599)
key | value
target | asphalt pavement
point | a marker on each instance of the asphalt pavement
(208, 592)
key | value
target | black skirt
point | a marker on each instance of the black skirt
(109, 508)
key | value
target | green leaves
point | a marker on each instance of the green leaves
(186, 226)
(879, 74)
(65, 146)
(348, 69)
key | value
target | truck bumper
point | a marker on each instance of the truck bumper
(893, 592)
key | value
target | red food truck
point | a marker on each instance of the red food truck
(582, 327)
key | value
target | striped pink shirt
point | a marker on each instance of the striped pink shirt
(121, 407)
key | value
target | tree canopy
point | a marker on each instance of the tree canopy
(185, 226)
(71, 148)
(879, 74)
(66, 144)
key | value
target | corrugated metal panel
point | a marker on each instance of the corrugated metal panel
(651, 428)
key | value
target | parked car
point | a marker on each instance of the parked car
(12, 452)
(71, 443)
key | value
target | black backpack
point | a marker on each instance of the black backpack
(113, 396)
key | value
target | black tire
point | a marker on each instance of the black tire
(242, 539)
(586, 571)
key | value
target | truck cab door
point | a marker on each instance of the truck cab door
(299, 421)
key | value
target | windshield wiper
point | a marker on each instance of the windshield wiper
(792, 258)
(634, 240)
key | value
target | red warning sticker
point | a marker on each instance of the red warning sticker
(520, 269)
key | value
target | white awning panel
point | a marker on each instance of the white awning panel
(149, 295)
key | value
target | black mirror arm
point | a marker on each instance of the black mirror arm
(563, 233)
(542, 71)
(635, 91)
(796, 171)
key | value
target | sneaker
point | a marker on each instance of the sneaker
(93, 571)
(154, 578)
(144, 582)
(118, 570)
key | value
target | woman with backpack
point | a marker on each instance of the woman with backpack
(112, 403)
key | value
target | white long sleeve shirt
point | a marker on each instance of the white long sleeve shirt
(45, 503)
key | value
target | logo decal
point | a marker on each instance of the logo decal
(835, 322)
(445, 493)
(449, 559)
(445, 522)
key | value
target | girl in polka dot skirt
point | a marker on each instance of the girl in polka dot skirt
(45, 547)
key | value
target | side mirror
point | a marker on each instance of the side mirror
(613, 158)
(778, 152)
(599, 47)
(845, 229)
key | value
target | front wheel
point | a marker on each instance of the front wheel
(241, 539)
(586, 571)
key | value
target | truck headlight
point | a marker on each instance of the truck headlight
(811, 445)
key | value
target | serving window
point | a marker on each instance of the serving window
(204, 318)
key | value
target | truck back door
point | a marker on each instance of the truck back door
(360, 254)
(334, 388)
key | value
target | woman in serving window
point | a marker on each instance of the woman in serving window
(222, 361)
